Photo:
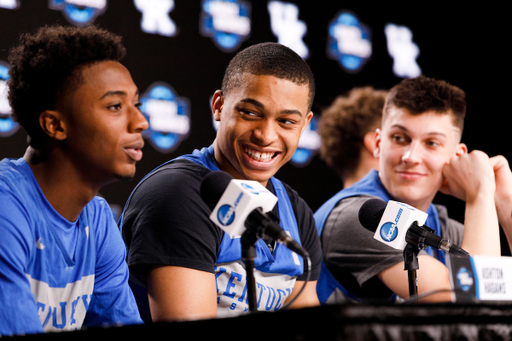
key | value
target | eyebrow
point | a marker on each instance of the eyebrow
(261, 106)
(117, 93)
(434, 133)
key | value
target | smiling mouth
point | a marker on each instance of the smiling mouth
(260, 156)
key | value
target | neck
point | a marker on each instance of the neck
(61, 183)
(367, 162)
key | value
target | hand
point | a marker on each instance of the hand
(468, 175)
(503, 179)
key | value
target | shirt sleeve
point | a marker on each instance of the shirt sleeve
(112, 300)
(350, 251)
(167, 222)
(18, 310)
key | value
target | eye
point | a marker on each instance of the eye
(287, 121)
(433, 143)
(398, 138)
(114, 107)
(247, 113)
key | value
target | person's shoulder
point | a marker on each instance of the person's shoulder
(353, 203)
(12, 172)
(176, 174)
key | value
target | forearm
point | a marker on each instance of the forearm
(308, 297)
(177, 293)
(504, 209)
(481, 228)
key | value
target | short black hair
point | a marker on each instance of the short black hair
(269, 59)
(45, 66)
(422, 94)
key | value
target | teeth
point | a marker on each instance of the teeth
(259, 156)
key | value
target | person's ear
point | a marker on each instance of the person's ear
(369, 141)
(309, 116)
(217, 104)
(461, 149)
(53, 125)
(377, 140)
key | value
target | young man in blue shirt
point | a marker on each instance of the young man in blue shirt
(419, 151)
(62, 260)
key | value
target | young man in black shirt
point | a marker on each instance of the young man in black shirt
(191, 268)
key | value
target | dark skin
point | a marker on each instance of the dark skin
(93, 138)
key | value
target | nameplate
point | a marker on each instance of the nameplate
(481, 278)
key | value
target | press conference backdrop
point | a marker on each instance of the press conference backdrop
(177, 52)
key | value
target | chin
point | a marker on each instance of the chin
(125, 174)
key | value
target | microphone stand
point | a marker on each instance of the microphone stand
(248, 241)
(415, 239)
(411, 265)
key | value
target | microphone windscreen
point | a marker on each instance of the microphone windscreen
(213, 186)
(371, 213)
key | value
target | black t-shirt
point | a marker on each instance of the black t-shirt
(167, 222)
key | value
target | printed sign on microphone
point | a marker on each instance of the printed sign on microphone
(239, 199)
(395, 221)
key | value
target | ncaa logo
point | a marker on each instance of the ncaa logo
(227, 22)
(464, 279)
(308, 146)
(7, 124)
(226, 214)
(252, 189)
(79, 12)
(168, 116)
(349, 42)
(389, 231)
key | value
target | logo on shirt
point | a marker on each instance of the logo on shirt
(79, 12)
(7, 124)
(227, 22)
(389, 230)
(168, 116)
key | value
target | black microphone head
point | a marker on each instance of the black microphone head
(371, 213)
(213, 186)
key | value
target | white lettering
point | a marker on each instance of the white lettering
(403, 51)
(98, 4)
(164, 117)
(226, 18)
(286, 26)
(155, 18)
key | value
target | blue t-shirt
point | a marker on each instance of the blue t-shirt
(55, 274)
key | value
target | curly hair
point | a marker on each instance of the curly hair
(270, 59)
(422, 94)
(45, 66)
(343, 125)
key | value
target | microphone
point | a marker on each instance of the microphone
(397, 224)
(240, 205)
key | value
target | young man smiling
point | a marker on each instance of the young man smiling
(62, 261)
(189, 265)
(419, 154)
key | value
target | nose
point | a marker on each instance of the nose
(138, 122)
(265, 132)
(412, 153)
